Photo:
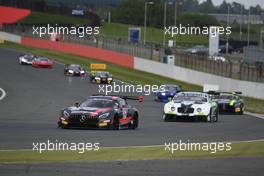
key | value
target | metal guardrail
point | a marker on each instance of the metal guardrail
(235, 70)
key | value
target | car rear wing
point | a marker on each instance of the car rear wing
(213, 92)
(234, 92)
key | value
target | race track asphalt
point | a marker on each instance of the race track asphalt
(186, 167)
(34, 98)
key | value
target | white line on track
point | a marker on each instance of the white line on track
(3, 94)
(123, 147)
(260, 116)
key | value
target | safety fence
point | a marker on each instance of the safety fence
(236, 70)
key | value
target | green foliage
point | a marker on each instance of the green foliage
(196, 19)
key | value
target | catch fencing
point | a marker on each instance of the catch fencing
(155, 51)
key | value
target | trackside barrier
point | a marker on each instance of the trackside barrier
(251, 89)
(81, 50)
(10, 37)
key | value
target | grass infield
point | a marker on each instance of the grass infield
(239, 149)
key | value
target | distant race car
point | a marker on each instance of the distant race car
(167, 92)
(230, 102)
(74, 70)
(191, 105)
(101, 111)
(26, 59)
(42, 62)
(101, 77)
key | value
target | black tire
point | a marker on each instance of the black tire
(116, 125)
(216, 116)
(134, 122)
(213, 117)
(166, 118)
(210, 117)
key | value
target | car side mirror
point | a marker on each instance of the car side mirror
(77, 104)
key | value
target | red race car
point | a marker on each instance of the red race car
(42, 62)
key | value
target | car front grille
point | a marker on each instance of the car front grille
(185, 110)
(83, 119)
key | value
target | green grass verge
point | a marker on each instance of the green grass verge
(132, 76)
(241, 149)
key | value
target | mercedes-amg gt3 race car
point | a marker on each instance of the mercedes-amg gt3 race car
(166, 92)
(101, 77)
(74, 70)
(42, 62)
(26, 59)
(101, 111)
(195, 105)
(230, 102)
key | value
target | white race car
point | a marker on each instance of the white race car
(195, 105)
(26, 59)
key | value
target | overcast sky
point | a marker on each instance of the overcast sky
(247, 3)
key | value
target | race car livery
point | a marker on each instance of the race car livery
(101, 77)
(101, 111)
(74, 70)
(26, 59)
(195, 105)
(42, 62)
(230, 102)
(166, 92)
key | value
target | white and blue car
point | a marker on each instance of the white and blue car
(196, 105)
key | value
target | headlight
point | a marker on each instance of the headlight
(109, 78)
(199, 110)
(81, 71)
(66, 114)
(70, 71)
(97, 78)
(102, 116)
(163, 94)
(173, 108)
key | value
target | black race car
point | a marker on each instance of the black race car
(229, 102)
(101, 111)
(101, 77)
(74, 70)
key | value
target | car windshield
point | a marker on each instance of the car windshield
(29, 57)
(98, 103)
(102, 73)
(190, 97)
(225, 97)
(42, 59)
(73, 67)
